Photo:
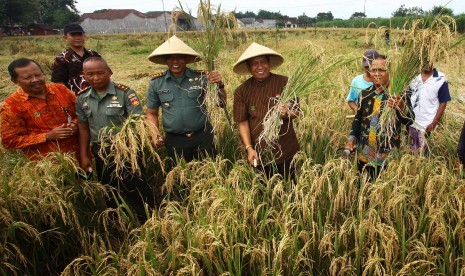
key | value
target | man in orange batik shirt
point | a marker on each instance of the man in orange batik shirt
(38, 118)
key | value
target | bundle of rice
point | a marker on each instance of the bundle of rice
(129, 144)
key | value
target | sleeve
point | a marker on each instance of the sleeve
(152, 100)
(239, 107)
(353, 92)
(81, 118)
(357, 123)
(14, 130)
(133, 105)
(60, 71)
(443, 93)
(461, 146)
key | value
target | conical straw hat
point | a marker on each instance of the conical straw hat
(173, 46)
(256, 50)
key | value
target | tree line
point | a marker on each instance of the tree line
(402, 11)
(55, 13)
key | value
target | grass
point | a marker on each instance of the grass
(216, 216)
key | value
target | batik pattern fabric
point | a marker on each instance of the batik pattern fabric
(25, 121)
(68, 69)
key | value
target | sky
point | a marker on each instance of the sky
(342, 9)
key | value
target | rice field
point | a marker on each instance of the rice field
(216, 217)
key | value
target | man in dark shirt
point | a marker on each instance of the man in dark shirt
(67, 66)
(252, 100)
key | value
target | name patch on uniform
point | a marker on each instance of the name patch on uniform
(134, 101)
(113, 104)
(195, 87)
(164, 91)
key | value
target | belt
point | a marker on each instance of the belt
(188, 134)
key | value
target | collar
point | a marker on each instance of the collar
(434, 75)
(71, 51)
(189, 73)
(263, 82)
(110, 91)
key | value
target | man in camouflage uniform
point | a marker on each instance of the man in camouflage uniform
(107, 104)
(67, 66)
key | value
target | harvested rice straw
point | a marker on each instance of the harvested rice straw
(421, 47)
(208, 40)
(129, 144)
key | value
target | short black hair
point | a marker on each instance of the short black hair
(99, 59)
(20, 63)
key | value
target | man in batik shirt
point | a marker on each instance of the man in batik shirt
(38, 118)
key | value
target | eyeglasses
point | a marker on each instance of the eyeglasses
(377, 71)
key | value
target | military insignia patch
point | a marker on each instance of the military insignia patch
(252, 108)
(134, 101)
(36, 114)
(131, 95)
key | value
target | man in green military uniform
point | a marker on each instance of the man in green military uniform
(180, 92)
(106, 104)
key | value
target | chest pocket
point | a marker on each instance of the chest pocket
(194, 92)
(115, 111)
(165, 96)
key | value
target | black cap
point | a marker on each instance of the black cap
(72, 28)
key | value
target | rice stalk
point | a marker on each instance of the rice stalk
(129, 146)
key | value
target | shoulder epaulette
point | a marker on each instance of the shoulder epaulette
(156, 76)
(83, 90)
(123, 87)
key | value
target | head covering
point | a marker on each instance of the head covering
(173, 46)
(73, 28)
(255, 50)
(368, 57)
